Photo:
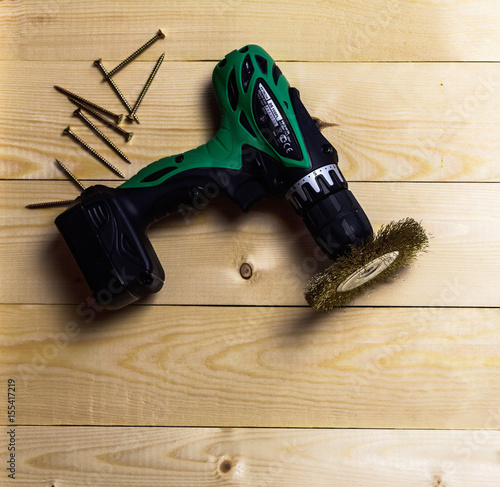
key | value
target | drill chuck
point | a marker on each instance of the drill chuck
(338, 223)
(330, 211)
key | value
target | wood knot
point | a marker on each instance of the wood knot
(229, 468)
(225, 466)
(246, 271)
(438, 482)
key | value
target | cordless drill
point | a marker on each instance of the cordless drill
(267, 145)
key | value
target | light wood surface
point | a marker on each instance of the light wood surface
(218, 380)
(202, 253)
(254, 366)
(392, 121)
(298, 30)
(262, 457)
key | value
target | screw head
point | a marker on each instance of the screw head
(67, 130)
(160, 34)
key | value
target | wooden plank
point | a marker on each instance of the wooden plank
(249, 366)
(202, 252)
(393, 121)
(173, 392)
(293, 30)
(254, 457)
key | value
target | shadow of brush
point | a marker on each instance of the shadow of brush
(308, 320)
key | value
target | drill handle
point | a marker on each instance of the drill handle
(257, 150)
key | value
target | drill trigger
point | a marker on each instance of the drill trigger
(247, 193)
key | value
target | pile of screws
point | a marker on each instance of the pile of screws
(107, 117)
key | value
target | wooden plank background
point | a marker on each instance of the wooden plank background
(219, 380)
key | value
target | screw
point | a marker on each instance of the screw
(146, 86)
(159, 35)
(98, 63)
(109, 123)
(70, 174)
(49, 204)
(68, 131)
(78, 113)
(114, 116)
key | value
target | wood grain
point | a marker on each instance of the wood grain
(392, 121)
(219, 380)
(202, 251)
(251, 366)
(395, 30)
(110, 457)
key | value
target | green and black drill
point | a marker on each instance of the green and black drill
(267, 145)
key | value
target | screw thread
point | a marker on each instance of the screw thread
(49, 204)
(78, 112)
(105, 111)
(68, 131)
(159, 35)
(106, 121)
(70, 174)
(146, 86)
(98, 63)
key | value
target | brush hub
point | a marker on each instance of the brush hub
(368, 272)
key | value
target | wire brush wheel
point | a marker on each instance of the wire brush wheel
(392, 248)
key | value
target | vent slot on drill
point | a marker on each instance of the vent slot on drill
(262, 62)
(157, 175)
(276, 73)
(232, 90)
(247, 71)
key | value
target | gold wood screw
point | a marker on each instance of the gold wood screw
(70, 174)
(98, 63)
(78, 113)
(49, 204)
(107, 122)
(114, 116)
(159, 35)
(68, 131)
(146, 86)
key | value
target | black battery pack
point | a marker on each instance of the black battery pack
(112, 251)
